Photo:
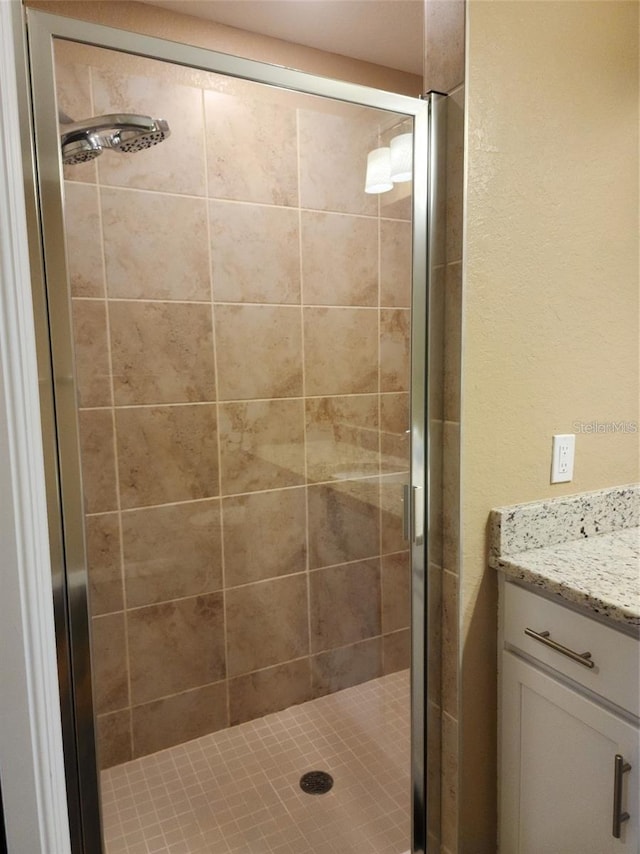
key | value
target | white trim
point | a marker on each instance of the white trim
(31, 759)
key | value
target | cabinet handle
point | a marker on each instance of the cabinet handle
(620, 767)
(579, 657)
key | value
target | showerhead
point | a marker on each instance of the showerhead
(81, 150)
(123, 132)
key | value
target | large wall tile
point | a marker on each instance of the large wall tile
(255, 253)
(261, 445)
(395, 331)
(434, 770)
(455, 171)
(436, 512)
(396, 651)
(450, 765)
(356, 586)
(395, 263)
(167, 454)
(161, 352)
(342, 437)
(175, 165)
(348, 273)
(343, 522)
(104, 563)
(340, 351)
(396, 592)
(73, 95)
(259, 351)
(451, 496)
(109, 662)
(395, 445)
(155, 246)
(175, 646)
(452, 341)
(346, 666)
(251, 148)
(266, 623)
(444, 45)
(171, 552)
(436, 343)
(397, 203)
(434, 616)
(83, 239)
(91, 352)
(174, 720)
(267, 691)
(333, 160)
(113, 733)
(392, 508)
(450, 642)
(98, 460)
(264, 535)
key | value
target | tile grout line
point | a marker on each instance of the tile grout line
(246, 303)
(304, 406)
(217, 405)
(379, 377)
(114, 428)
(271, 579)
(242, 202)
(221, 682)
(335, 483)
(246, 400)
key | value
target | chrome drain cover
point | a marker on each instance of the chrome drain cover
(316, 782)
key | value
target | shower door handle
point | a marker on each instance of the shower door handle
(406, 512)
(413, 514)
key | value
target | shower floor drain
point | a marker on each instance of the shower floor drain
(316, 782)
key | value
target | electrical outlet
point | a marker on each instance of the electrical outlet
(562, 457)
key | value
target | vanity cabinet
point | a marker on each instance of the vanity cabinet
(562, 725)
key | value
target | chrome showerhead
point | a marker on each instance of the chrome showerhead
(81, 150)
(134, 140)
(123, 132)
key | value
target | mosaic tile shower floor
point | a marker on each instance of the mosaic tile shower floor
(237, 791)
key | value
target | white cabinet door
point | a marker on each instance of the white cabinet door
(557, 768)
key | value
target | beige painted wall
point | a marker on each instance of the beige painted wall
(551, 310)
(153, 21)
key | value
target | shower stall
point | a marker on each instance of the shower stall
(235, 342)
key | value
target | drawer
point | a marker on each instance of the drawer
(616, 656)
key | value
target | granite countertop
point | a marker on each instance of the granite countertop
(585, 549)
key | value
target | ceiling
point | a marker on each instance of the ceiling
(387, 32)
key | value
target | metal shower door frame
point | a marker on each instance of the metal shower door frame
(44, 180)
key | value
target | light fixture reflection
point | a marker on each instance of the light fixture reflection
(378, 178)
(401, 147)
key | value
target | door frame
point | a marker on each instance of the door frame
(31, 758)
(44, 181)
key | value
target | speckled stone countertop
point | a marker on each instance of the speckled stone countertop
(582, 548)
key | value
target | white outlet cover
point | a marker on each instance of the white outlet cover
(562, 457)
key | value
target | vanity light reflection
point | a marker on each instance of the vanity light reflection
(390, 165)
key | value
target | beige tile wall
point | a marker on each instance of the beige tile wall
(241, 331)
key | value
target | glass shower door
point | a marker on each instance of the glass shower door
(240, 344)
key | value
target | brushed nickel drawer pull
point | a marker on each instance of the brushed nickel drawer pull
(620, 767)
(579, 657)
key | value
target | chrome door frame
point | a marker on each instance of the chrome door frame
(44, 181)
